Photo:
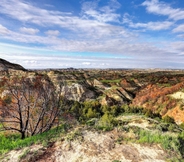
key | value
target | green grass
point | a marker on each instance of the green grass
(111, 81)
(168, 142)
(13, 141)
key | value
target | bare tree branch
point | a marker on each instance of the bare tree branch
(33, 107)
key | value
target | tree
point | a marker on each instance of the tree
(29, 105)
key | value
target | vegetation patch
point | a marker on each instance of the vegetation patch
(12, 141)
(111, 81)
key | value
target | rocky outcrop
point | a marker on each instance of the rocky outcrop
(77, 92)
(97, 83)
(117, 95)
(95, 89)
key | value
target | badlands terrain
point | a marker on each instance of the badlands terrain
(107, 115)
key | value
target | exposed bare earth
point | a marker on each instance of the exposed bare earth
(178, 95)
(91, 146)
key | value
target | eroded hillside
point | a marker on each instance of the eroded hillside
(107, 115)
(148, 89)
(151, 90)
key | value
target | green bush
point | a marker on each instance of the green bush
(168, 119)
(131, 109)
(90, 109)
(181, 143)
(182, 126)
(106, 122)
(76, 109)
(105, 109)
(91, 113)
(162, 127)
(115, 110)
(148, 113)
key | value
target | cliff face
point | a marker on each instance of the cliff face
(5, 65)
(77, 92)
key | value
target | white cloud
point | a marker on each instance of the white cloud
(52, 32)
(153, 25)
(142, 56)
(179, 28)
(91, 32)
(3, 30)
(127, 19)
(180, 35)
(91, 10)
(57, 61)
(161, 8)
(29, 30)
(179, 46)
(80, 26)
(158, 25)
(26, 12)
(86, 63)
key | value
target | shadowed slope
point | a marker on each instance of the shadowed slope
(5, 65)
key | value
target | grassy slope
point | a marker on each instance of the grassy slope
(132, 128)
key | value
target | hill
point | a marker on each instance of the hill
(5, 65)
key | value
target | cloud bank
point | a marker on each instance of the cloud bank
(118, 37)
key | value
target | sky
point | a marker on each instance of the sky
(40, 34)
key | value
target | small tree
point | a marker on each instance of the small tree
(29, 106)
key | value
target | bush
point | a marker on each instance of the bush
(90, 109)
(181, 143)
(182, 126)
(162, 127)
(115, 110)
(148, 113)
(106, 122)
(168, 119)
(92, 122)
(91, 113)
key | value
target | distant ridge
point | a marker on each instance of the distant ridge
(5, 65)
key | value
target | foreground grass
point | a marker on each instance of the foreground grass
(167, 142)
(10, 142)
(171, 143)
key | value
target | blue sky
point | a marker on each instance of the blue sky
(93, 34)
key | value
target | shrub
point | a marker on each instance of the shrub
(115, 110)
(172, 127)
(162, 127)
(91, 113)
(149, 113)
(168, 119)
(181, 143)
(182, 126)
(106, 122)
